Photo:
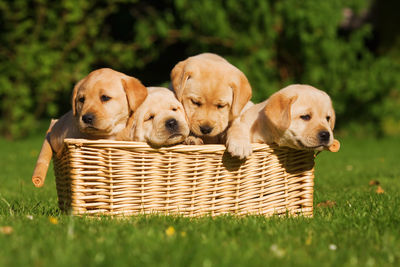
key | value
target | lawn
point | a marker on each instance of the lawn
(355, 223)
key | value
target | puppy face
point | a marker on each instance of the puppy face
(160, 120)
(103, 101)
(301, 117)
(212, 91)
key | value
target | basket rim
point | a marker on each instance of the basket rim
(175, 148)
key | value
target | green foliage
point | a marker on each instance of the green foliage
(48, 46)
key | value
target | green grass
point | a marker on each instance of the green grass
(362, 229)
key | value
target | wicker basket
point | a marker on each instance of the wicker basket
(125, 178)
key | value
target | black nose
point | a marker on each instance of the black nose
(323, 136)
(206, 129)
(171, 125)
(88, 118)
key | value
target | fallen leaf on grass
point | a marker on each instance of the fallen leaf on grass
(379, 190)
(7, 230)
(374, 182)
(328, 204)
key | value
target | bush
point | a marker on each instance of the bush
(48, 46)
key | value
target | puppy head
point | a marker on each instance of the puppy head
(212, 91)
(160, 120)
(103, 101)
(301, 117)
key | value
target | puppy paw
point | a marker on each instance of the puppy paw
(240, 148)
(193, 140)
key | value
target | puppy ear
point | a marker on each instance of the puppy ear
(277, 113)
(137, 129)
(74, 93)
(241, 95)
(135, 92)
(179, 78)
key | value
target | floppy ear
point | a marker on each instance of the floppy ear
(135, 92)
(137, 129)
(241, 95)
(74, 93)
(277, 113)
(179, 78)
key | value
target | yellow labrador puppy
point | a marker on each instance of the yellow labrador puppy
(213, 93)
(297, 116)
(160, 120)
(102, 103)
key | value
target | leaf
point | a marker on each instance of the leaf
(374, 182)
(379, 190)
(7, 230)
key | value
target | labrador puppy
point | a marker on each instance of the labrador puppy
(297, 116)
(213, 93)
(160, 120)
(102, 104)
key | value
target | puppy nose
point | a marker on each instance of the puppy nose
(323, 136)
(206, 129)
(88, 118)
(171, 125)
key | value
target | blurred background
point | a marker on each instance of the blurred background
(348, 48)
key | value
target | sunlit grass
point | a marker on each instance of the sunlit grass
(360, 227)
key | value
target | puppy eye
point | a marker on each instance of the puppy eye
(196, 102)
(149, 118)
(219, 106)
(305, 117)
(105, 98)
(328, 118)
(174, 109)
(81, 99)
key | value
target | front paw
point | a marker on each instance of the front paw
(193, 140)
(240, 148)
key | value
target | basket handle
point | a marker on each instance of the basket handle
(43, 161)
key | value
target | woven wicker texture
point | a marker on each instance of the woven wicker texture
(125, 178)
